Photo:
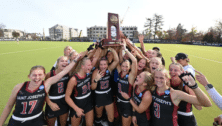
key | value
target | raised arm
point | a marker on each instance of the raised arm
(115, 60)
(200, 99)
(214, 95)
(54, 79)
(10, 104)
(141, 37)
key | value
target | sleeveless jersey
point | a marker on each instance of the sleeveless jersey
(123, 86)
(60, 87)
(29, 103)
(137, 98)
(164, 112)
(103, 84)
(184, 106)
(83, 86)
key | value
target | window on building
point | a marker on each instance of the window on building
(123, 28)
(135, 28)
(127, 28)
(131, 28)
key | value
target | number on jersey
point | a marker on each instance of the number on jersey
(31, 103)
(85, 88)
(60, 87)
(104, 84)
(157, 110)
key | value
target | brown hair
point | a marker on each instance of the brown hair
(180, 87)
(66, 48)
(57, 63)
(37, 67)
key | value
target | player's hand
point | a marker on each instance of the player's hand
(99, 75)
(54, 106)
(173, 59)
(134, 120)
(188, 79)
(80, 112)
(141, 37)
(201, 78)
(218, 120)
(125, 95)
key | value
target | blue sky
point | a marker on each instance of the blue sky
(34, 15)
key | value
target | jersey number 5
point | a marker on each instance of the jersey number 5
(31, 103)
(157, 110)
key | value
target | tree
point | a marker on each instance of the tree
(2, 26)
(158, 23)
(149, 26)
(15, 34)
(180, 32)
(192, 33)
(218, 39)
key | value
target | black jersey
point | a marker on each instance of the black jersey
(83, 86)
(103, 84)
(137, 98)
(123, 86)
(164, 112)
(60, 87)
(29, 103)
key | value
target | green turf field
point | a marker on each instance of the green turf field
(17, 59)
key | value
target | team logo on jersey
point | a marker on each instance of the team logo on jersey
(140, 95)
(127, 76)
(107, 71)
(41, 87)
(167, 92)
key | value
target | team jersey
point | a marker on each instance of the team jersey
(137, 98)
(164, 112)
(29, 103)
(123, 86)
(184, 106)
(60, 87)
(83, 86)
(103, 84)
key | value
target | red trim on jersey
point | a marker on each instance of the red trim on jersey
(54, 73)
(140, 92)
(189, 105)
(174, 115)
(75, 92)
(32, 91)
(45, 94)
(80, 77)
(130, 90)
(160, 94)
(148, 113)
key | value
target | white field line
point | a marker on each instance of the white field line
(27, 50)
(197, 57)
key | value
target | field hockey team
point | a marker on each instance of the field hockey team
(119, 85)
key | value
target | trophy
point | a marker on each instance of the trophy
(112, 34)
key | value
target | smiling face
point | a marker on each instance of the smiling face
(63, 62)
(140, 79)
(87, 67)
(103, 65)
(37, 76)
(154, 54)
(73, 56)
(67, 51)
(125, 66)
(141, 64)
(149, 53)
(160, 79)
(174, 70)
(155, 63)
